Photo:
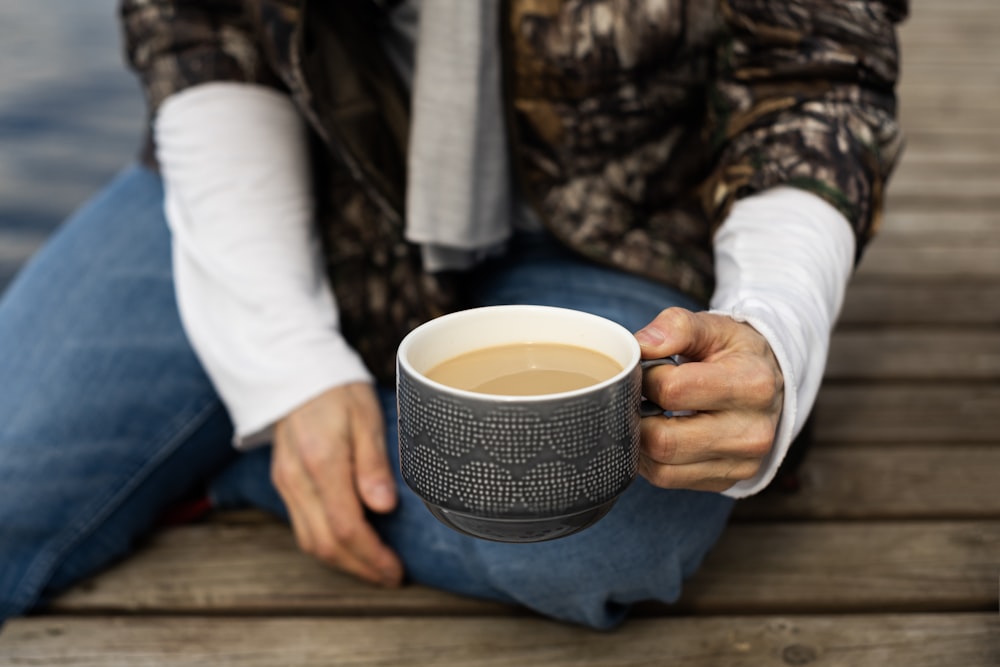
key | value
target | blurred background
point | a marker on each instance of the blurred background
(71, 115)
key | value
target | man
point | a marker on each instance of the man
(333, 173)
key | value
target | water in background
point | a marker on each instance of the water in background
(71, 115)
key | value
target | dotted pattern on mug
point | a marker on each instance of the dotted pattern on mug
(506, 460)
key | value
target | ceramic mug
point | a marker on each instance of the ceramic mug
(518, 468)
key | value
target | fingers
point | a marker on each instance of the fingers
(706, 437)
(716, 475)
(374, 478)
(705, 452)
(288, 478)
(738, 381)
(345, 537)
(313, 467)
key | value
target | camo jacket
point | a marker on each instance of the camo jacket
(634, 124)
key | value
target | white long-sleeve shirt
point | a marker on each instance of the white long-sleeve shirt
(263, 320)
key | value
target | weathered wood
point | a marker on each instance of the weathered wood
(923, 106)
(895, 354)
(768, 567)
(872, 482)
(908, 413)
(933, 640)
(931, 194)
(980, 224)
(915, 303)
(954, 262)
(938, 245)
(253, 567)
(874, 566)
(951, 158)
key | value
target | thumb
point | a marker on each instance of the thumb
(680, 331)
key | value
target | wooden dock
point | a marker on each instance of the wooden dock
(888, 554)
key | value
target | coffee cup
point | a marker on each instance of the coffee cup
(522, 447)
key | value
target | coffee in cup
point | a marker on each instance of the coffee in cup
(525, 369)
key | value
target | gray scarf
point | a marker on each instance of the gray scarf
(459, 197)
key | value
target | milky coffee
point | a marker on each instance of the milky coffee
(525, 369)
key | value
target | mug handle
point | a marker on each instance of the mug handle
(650, 409)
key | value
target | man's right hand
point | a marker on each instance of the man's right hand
(329, 463)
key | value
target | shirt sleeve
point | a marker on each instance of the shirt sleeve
(804, 95)
(248, 266)
(783, 261)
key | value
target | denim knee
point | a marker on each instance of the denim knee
(643, 550)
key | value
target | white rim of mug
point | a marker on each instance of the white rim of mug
(427, 329)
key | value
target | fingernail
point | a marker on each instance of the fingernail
(650, 336)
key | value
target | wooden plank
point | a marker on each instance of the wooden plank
(943, 193)
(956, 160)
(923, 48)
(940, 107)
(958, 262)
(932, 31)
(949, 163)
(849, 567)
(768, 567)
(954, 138)
(250, 568)
(967, 169)
(948, 23)
(930, 117)
(923, 247)
(908, 414)
(877, 482)
(973, 67)
(914, 354)
(981, 225)
(919, 640)
(910, 303)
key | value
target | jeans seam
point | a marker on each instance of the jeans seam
(45, 562)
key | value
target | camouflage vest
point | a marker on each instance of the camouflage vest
(634, 125)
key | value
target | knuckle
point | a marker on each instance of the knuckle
(345, 532)
(326, 550)
(743, 471)
(762, 387)
(662, 478)
(759, 439)
(678, 319)
(315, 457)
(655, 474)
(280, 473)
(670, 391)
(660, 446)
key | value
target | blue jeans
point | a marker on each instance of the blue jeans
(107, 419)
